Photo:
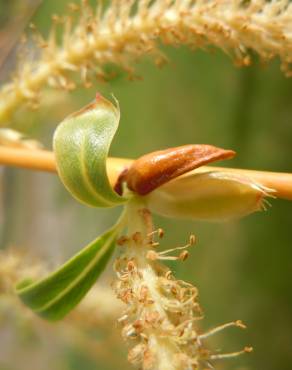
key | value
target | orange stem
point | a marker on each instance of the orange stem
(43, 160)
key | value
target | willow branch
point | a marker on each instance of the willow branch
(43, 160)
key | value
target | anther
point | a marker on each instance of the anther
(240, 324)
(131, 266)
(151, 255)
(138, 326)
(143, 296)
(184, 255)
(159, 232)
(137, 237)
(123, 240)
(168, 274)
(192, 240)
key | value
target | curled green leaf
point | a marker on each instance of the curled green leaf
(56, 295)
(81, 144)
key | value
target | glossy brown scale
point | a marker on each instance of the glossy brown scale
(157, 168)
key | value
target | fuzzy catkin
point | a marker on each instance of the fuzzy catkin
(160, 320)
(160, 314)
(128, 29)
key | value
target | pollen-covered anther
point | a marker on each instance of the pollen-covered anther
(152, 255)
(152, 319)
(138, 326)
(192, 240)
(131, 266)
(168, 274)
(126, 295)
(137, 238)
(143, 295)
(123, 240)
(183, 256)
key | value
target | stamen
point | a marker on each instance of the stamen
(237, 323)
(159, 232)
(231, 354)
(153, 256)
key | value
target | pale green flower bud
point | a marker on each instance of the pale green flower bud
(210, 196)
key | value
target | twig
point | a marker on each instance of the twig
(43, 160)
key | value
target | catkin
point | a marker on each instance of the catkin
(127, 30)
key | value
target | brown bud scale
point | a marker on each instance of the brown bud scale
(157, 168)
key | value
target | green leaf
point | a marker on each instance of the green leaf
(81, 144)
(54, 296)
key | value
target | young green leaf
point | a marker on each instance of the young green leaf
(81, 144)
(54, 296)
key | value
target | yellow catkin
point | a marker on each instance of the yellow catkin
(127, 30)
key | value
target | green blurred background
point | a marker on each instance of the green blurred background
(243, 269)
